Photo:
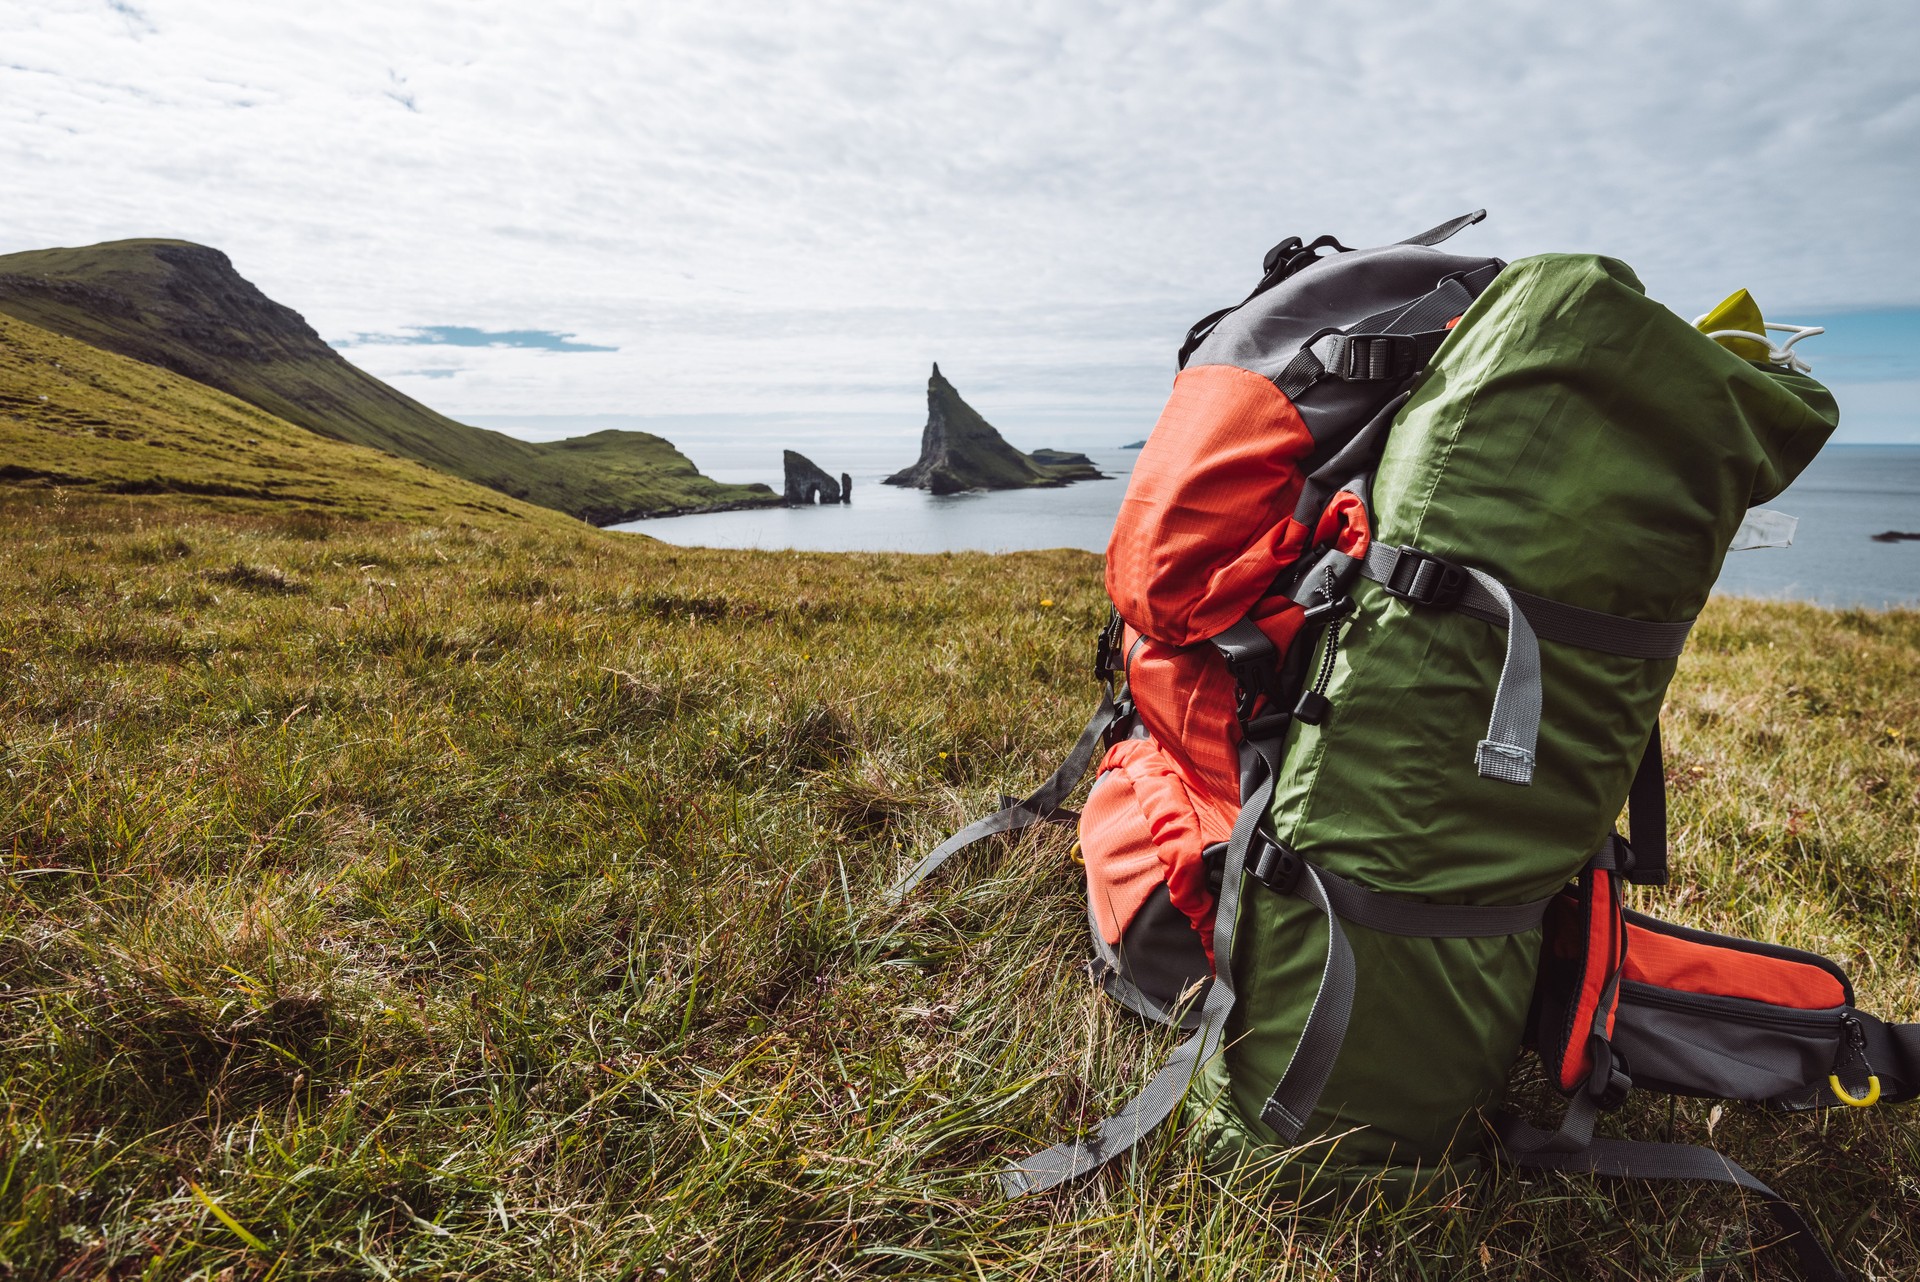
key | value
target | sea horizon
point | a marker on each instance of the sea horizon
(1849, 493)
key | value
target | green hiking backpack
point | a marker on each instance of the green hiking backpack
(1399, 583)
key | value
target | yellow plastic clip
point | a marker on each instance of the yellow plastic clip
(1868, 1100)
(1081, 859)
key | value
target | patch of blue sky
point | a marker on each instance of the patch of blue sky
(1878, 345)
(545, 340)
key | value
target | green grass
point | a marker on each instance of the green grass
(417, 900)
(182, 307)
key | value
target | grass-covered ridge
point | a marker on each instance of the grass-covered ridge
(184, 308)
(411, 900)
(78, 418)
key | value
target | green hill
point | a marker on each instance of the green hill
(184, 308)
(78, 418)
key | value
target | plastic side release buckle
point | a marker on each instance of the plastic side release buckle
(1425, 579)
(1375, 358)
(1278, 866)
(1608, 1083)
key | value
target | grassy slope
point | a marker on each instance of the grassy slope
(181, 306)
(507, 902)
(77, 417)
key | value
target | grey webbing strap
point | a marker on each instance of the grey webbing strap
(1513, 731)
(1388, 346)
(1037, 808)
(1632, 1159)
(1390, 916)
(1553, 620)
(1168, 1086)
(1521, 1141)
(1299, 1089)
(1597, 630)
(1434, 235)
(1647, 816)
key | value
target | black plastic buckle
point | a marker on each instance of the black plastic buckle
(1425, 579)
(1280, 253)
(1377, 358)
(1257, 678)
(1278, 866)
(1609, 1083)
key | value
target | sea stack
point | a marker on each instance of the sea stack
(806, 484)
(959, 450)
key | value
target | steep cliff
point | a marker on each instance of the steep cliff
(184, 308)
(960, 450)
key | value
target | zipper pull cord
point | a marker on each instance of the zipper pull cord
(1314, 704)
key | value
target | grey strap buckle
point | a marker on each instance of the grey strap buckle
(1277, 866)
(1425, 579)
(1368, 358)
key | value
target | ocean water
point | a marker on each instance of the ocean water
(1848, 494)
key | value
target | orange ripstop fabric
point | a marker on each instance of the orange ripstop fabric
(1141, 827)
(1188, 700)
(1207, 520)
(1603, 956)
(1344, 525)
(1687, 966)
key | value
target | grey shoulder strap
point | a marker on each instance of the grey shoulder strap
(1570, 1150)
(1168, 1087)
(1041, 807)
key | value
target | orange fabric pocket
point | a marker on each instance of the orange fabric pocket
(1207, 520)
(1693, 961)
(1144, 826)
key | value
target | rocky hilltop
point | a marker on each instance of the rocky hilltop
(959, 450)
(184, 308)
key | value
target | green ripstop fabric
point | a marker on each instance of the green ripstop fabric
(1574, 439)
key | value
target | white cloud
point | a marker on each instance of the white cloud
(772, 208)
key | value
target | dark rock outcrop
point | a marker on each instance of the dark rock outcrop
(959, 450)
(806, 484)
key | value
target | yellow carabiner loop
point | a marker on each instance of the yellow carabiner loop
(1081, 859)
(1868, 1100)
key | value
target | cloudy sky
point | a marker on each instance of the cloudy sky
(750, 224)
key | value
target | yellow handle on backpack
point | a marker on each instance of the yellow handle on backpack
(1868, 1100)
